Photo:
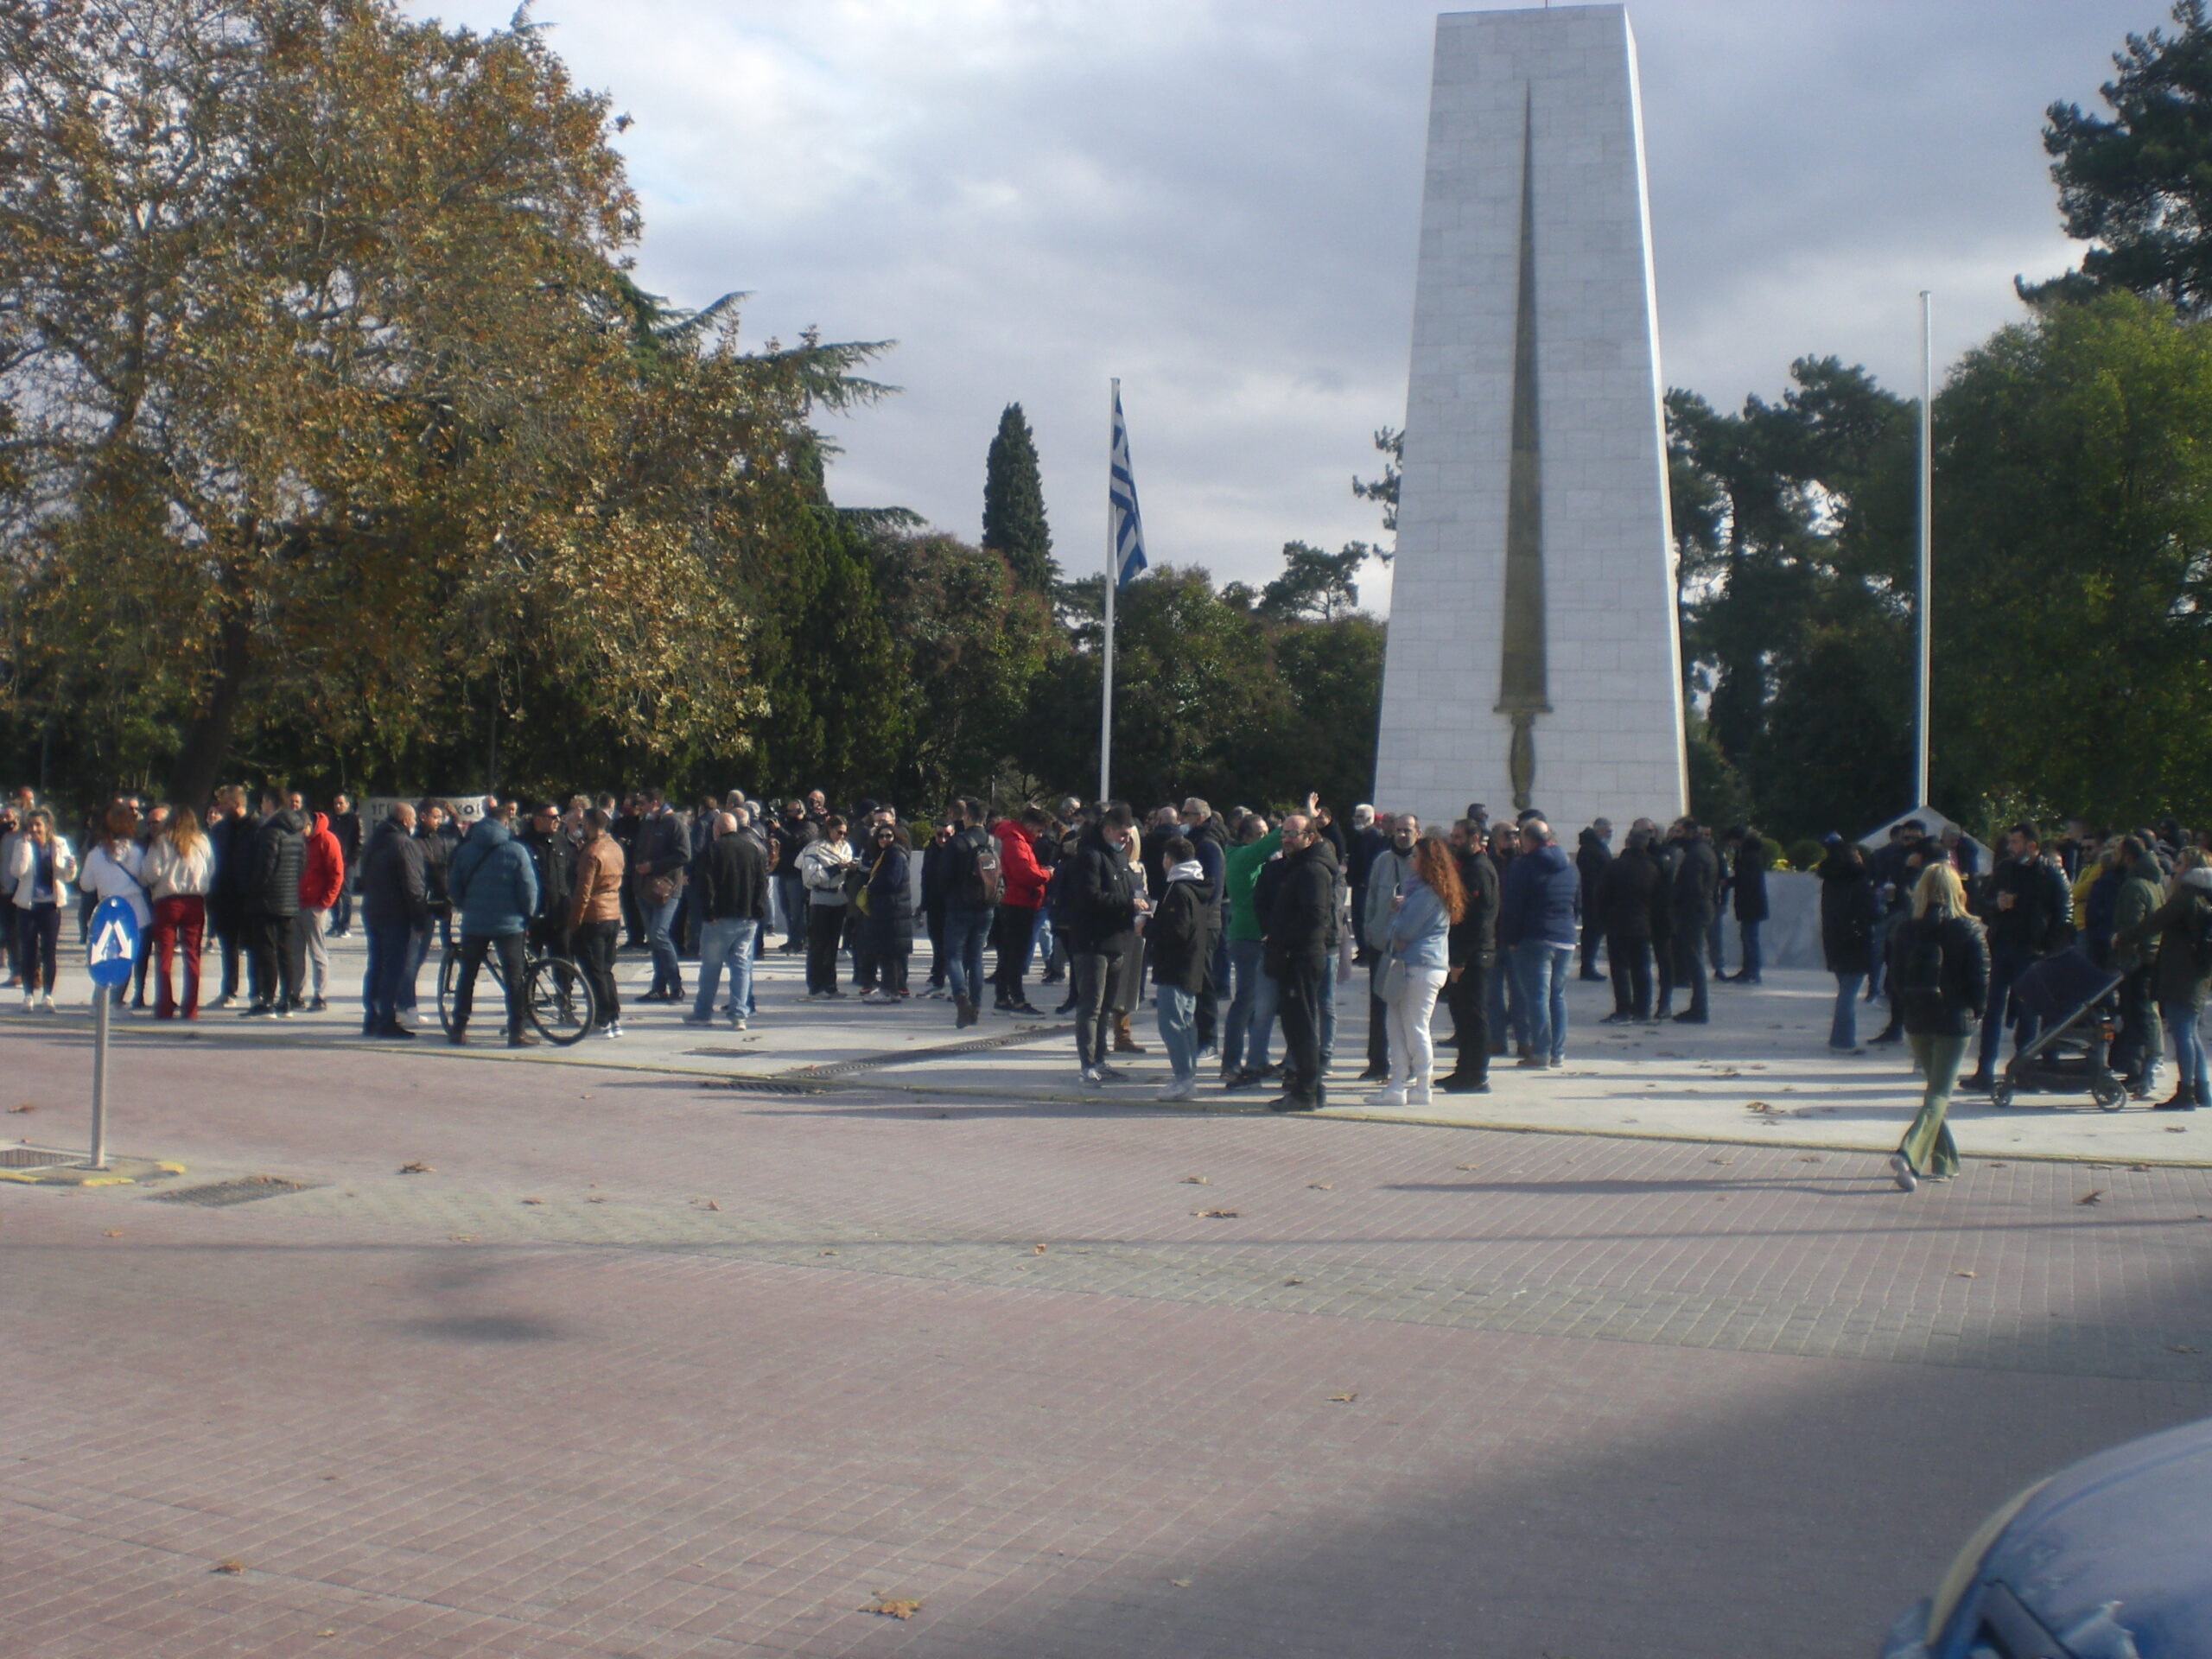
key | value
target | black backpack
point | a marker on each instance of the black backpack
(1920, 973)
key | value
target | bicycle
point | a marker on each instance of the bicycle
(558, 998)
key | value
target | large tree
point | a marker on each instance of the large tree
(2138, 183)
(1013, 504)
(333, 411)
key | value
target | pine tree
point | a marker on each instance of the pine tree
(1013, 504)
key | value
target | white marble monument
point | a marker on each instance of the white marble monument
(1534, 655)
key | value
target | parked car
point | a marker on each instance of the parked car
(2110, 1558)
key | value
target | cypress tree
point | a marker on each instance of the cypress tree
(1013, 504)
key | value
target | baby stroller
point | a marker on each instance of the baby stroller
(2073, 998)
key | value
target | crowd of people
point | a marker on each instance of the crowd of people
(1243, 928)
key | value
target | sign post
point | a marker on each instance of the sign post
(110, 951)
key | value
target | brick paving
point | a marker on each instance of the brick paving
(753, 1361)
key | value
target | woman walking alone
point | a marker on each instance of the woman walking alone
(1417, 961)
(1940, 983)
(112, 872)
(43, 867)
(179, 870)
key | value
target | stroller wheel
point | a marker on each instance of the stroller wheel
(2109, 1096)
(2000, 1093)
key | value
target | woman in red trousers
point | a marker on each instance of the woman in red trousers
(179, 868)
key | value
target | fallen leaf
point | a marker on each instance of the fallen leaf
(23, 1106)
(113, 1232)
(417, 1168)
(1194, 1180)
(1758, 1106)
(330, 1476)
(1293, 1282)
(583, 1096)
(1346, 1398)
(462, 1238)
(1181, 1583)
(1320, 1186)
(2180, 1347)
(2001, 1166)
(2176, 1128)
(2092, 1196)
(892, 1608)
(597, 1198)
(326, 1632)
(2140, 1169)
(1709, 1161)
(533, 1200)
(825, 1252)
(1965, 1273)
(1809, 1157)
(715, 1204)
(231, 1569)
(1037, 1249)
(1217, 1215)
(1466, 1166)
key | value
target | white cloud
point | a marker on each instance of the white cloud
(1218, 202)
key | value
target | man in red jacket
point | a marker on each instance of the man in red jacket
(1013, 926)
(322, 878)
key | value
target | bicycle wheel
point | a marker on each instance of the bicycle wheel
(560, 1002)
(448, 976)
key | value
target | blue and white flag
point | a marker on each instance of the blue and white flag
(1122, 496)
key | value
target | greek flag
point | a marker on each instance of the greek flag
(1121, 497)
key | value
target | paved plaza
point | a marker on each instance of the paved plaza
(695, 1343)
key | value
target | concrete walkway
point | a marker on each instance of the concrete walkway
(1761, 1073)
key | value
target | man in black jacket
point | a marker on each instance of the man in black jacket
(2029, 911)
(1299, 922)
(1629, 896)
(277, 960)
(232, 837)
(1473, 945)
(790, 835)
(1105, 897)
(346, 825)
(553, 857)
(729, 891)
(663, 852)
(1695, 900)
(1593, 852)
(395, 903)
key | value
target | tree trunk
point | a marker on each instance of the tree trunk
(201, 761)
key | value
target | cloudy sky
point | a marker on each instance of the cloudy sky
(1217, 200)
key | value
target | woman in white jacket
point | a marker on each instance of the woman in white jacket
(180, 868)
(43, 868)
(112, 872)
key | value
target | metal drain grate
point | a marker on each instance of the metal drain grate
(244, 1190)
(767, 1086)
(33, 1158)
(942, 1052)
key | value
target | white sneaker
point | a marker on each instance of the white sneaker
(877, 998)
(1393, 1096)
(1901, 1173)
(614, 1029)
(30, 1003)
(736, 1024)
(1182, 1089)
(46, 1002)
(1418, 1095)
(1092, 1078)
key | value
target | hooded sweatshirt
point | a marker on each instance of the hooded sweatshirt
(322, 878)
(1541, 899)
(1180, 938)
(494, 887)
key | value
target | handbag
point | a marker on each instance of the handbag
(659, 889)
(1392, 979)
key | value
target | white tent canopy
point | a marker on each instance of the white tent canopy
(1935, 823)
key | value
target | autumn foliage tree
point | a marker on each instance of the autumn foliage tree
(333, 410)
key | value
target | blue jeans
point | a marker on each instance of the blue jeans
(1749, 933)
(1177, 1010)
(966, 927)
(418, 952)
(1508, 1022)
(1540, 976)
(668, 972)
(1716, 940)
(1843, 1029)
(391, 953)
(1326, 1008)
(1251, 1009)
(727, 944)
(2004, 967)
(2188, 1048)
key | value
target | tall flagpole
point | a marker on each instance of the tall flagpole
(1106, 711)
(1922, 734)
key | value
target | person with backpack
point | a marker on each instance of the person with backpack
(2183, 927)
(1941, 984)
(975, 883)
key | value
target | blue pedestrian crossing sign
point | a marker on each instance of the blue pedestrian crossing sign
(111, 947)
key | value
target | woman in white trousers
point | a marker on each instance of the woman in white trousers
(1415, 967)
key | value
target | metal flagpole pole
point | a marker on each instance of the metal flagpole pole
(1921, 733)
(1106, 711)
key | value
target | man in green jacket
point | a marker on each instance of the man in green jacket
(1252, 1006)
